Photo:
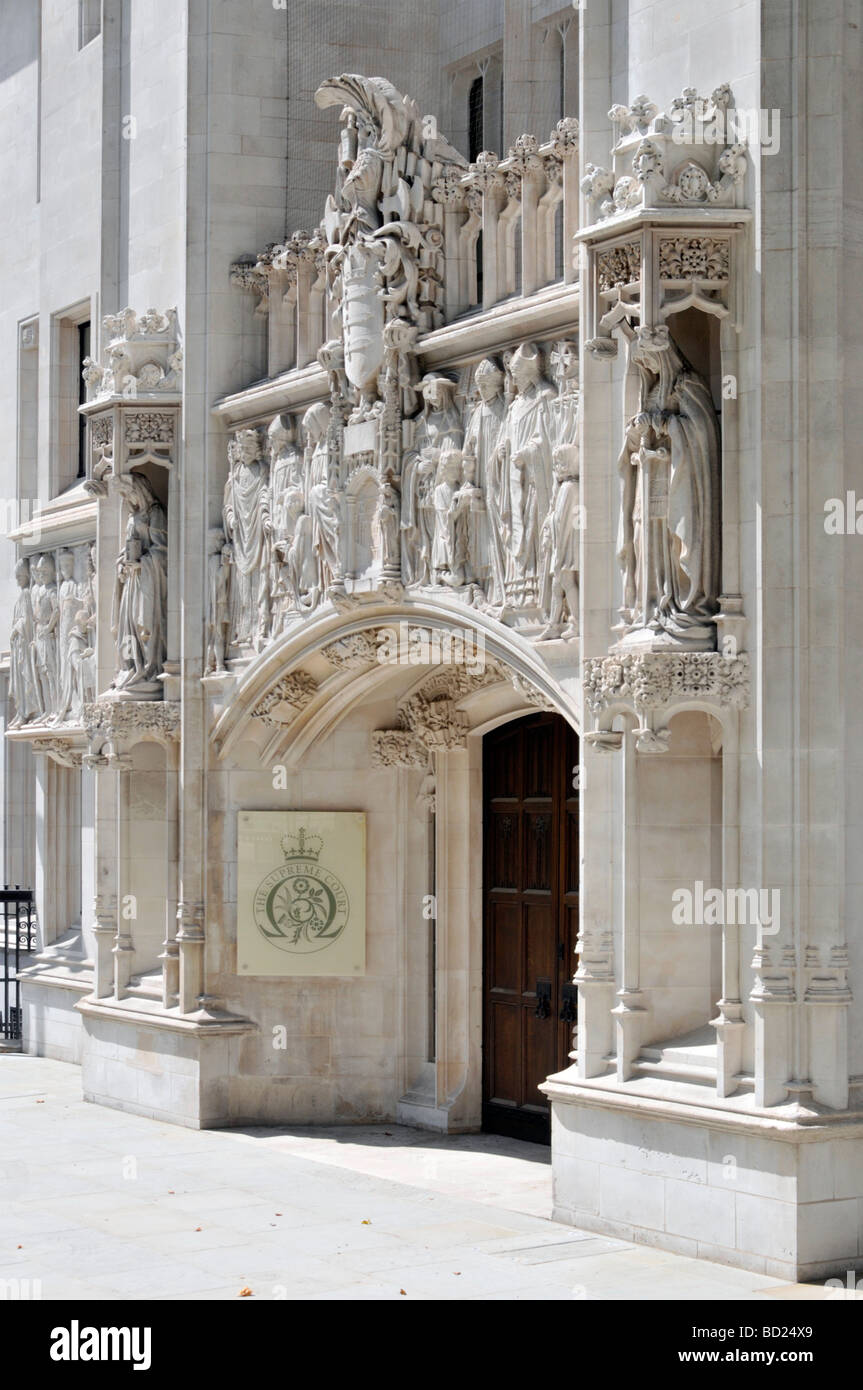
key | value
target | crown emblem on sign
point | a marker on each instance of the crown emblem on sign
(301, 845)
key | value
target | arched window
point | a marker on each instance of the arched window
(475, 118)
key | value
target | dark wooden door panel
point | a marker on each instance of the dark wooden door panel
(530, 891)
(504, 954)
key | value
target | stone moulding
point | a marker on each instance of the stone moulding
(355, 652)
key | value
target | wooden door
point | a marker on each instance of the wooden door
(530, 918)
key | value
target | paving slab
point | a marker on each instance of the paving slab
(101, 1204)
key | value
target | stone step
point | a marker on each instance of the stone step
(147, 986)
(691, 1057)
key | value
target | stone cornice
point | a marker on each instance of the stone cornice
(670, 218)
(131, 1010)
(64, 521)
(553, 309)
(605, 1093)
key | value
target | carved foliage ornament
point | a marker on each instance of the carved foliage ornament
(149, 427)
(694, 258)
(284, 701)
(619, 266)
(655, 680)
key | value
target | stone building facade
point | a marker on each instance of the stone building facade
(435, 415)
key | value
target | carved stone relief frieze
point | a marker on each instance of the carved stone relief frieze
(463, 484)
(481, 502)
(52, 637)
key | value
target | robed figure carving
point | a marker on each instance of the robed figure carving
(323, 501)
(287, 505)
(68, 603)
(246, 517)
(525, 457)
(22, 672)
(45, 618)
(82, 641)
(140, 611)
(483, 469)
(437, 427)
(560, 536)
(669, 537)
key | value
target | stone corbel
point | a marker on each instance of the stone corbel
(113, 727)
(658, 267)
(653, 686)
(253, 276)
(430, 717)
(67, 750)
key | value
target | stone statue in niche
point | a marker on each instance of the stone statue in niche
(446, 559)
(82, 642)
(387, 524)
(472, 539)
(565, 362)
(484, 464)
(559, 541)
(438, 424)
(247, 525)
(525, 457)
(45, 618)
(323, 502)
(140, 611)
(668, 542)
(218, 600)
(559, 545)
(22, 671)
(287, 504)
(68, 604)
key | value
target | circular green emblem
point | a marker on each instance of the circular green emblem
(301, 907)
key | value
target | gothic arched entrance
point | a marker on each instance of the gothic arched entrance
(530, 918)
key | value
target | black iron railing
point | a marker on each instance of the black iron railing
(18, 940)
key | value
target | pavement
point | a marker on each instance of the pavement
(99, 1204)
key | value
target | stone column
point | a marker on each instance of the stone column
(594, 948)
(629, 1008)
(190, 941)
(124, 948)
(729, 1023)
(170, 956)
(105, 865)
